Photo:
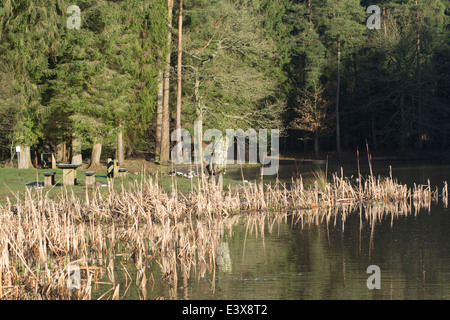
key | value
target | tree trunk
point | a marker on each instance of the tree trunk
(179, 69)
(25, 158)
(53, 161)
(374, 132)
(76, 150)
(403, 128)
(61, 152)
(165, 133)
(120, 151)
(310, 10)
(198, 126)
(180, 54)
(316, 143)
(96, 153)
(338, 133)
(419, 89)
(159, 114)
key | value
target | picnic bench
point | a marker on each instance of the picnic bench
(114, 170)
(90, 178)
(122, 172)
(69, 173)
(48, 160)
(49, 178)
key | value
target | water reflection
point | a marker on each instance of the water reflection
(411, 172)
(303, 254)
(295, 254)
(302, 257)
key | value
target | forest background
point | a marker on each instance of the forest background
(136, 70)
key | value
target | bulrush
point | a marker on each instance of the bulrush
(182, 232)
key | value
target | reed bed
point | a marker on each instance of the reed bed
(41, 239)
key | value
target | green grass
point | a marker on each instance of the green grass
(13, 183)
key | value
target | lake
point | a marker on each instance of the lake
(296, 255)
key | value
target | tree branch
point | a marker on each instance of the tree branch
(214, 34)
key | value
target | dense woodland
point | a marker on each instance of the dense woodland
(137, 69)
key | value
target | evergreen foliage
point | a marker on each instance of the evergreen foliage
(246, 64)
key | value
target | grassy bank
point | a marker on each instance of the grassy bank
(14, 183)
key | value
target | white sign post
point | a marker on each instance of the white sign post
(18, 151)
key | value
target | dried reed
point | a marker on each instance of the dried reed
(182, 233)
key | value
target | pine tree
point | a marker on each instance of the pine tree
(165, 126)
(344, 27)
(403, 115)
(27, 34)
(104, 73)
(311, 103)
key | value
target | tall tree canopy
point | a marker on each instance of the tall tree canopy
(311, 68)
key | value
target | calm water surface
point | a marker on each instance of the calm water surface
(291, 258)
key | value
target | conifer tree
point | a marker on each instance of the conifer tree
(27, 34)
(344, 27)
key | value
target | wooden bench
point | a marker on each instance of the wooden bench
(112, 168)
(69, 173)
(49, 178)
(48, 160)
(90, 178)
(122, 172)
